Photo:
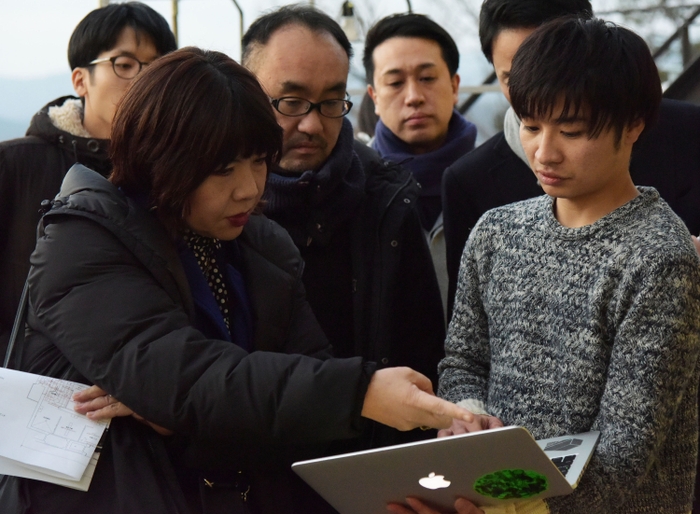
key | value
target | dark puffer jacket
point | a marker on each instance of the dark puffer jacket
(109, 304)
(369, 274)
(31, 170)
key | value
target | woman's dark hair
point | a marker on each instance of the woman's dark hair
(186, 116)
(597, 69)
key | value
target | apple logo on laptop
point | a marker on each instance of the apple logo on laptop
(433, 481)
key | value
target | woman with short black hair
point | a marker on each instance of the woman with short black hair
(165, 288)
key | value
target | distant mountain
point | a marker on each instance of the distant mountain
(11, 129)
(21, 98)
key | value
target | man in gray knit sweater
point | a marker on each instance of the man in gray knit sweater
(580, 310)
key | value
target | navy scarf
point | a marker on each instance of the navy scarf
(312, 206)
(208, 317)
(428, 167)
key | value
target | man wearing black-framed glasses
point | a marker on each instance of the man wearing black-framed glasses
(305, 73)
(102, 81)
(106, 51)
(368, 274)
(124, 66)
(293, 106)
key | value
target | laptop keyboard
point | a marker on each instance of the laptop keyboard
(564, 463)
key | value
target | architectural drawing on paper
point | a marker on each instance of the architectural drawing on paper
(54, 427)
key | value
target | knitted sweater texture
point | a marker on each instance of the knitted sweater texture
(565, 330)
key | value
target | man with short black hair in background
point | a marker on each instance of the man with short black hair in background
(411, 65)
(106, 51)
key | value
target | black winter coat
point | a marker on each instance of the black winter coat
(31, 170)
(109, 304)
(396, 311)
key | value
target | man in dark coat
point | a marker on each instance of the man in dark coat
(411, 65)
(667, 155)
(368, 275)
(106, 50)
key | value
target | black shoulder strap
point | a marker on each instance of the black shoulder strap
(17, 334)
(17, 328)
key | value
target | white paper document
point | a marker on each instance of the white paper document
(42, 436)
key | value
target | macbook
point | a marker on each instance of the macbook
(489, 467)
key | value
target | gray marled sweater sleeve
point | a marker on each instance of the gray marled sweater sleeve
(464, 372)
(568, 330)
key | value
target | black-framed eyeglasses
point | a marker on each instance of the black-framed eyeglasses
(293, 106)
(124, 66)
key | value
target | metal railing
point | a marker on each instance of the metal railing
(682, 33)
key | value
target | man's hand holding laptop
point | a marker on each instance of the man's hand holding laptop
(462, 506)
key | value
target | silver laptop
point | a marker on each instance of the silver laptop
(489, 468)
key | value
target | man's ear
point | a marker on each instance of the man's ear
(633, 131)
(455, 87)
(80, 77)
(373, 95)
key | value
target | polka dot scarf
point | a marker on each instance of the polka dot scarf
(205, 250)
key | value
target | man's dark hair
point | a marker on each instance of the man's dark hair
(259, 33)
(595, 69)
(101, 28)
(409, 25)
(497, 15)
(185, 117)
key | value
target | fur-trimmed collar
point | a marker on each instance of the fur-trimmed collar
(69, 117)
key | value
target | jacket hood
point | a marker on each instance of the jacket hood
(85, 193)
(111, 203)
(91, 152)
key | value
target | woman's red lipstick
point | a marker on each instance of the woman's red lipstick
(239, 219)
